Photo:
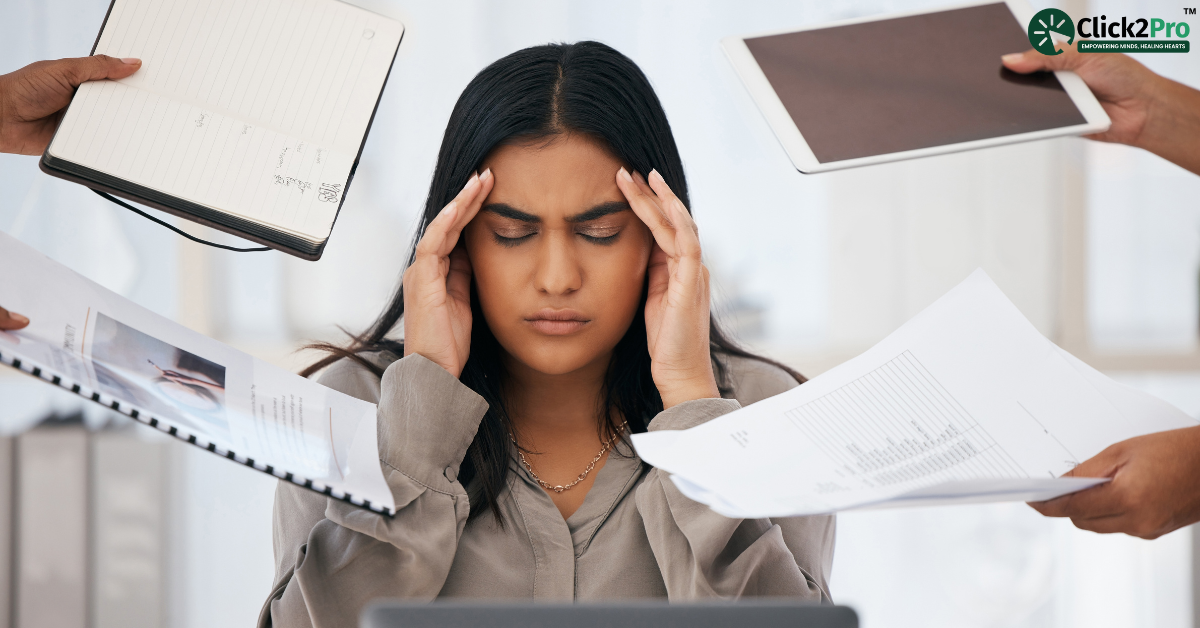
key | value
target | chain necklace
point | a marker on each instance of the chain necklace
(558, 488)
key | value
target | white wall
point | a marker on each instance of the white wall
(1144, 226)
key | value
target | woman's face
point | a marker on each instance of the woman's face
(558, 257)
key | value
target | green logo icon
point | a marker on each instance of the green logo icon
(1046, 22)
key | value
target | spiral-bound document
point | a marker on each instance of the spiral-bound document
(101, 346)
(247, 115)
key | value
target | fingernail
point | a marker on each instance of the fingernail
(130, 61)
(654, 173)
(1012, 58)
(18, 318)
(471, 181)
(486, 173)
(625, 175)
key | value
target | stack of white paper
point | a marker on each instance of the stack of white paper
(965, 403)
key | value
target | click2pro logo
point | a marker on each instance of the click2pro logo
(1047, 22)
(1124, 35)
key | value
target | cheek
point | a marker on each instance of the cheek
(617, 278)
(491, 269)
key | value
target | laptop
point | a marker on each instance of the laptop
(640, 614)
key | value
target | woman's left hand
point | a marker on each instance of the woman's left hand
(677, 309)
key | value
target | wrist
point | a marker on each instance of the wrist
(1172, 127)
(4, 143)
(675, 393)
(450, 367)
(1159, 105)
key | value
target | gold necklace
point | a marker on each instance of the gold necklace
(558, 488)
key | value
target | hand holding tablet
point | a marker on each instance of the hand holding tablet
(1147, 110)
(883, 89)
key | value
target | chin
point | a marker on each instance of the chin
(555, 358)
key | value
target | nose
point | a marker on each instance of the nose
(558, 271)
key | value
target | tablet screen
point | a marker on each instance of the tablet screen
(913, 82)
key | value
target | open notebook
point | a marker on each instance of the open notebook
(248, 116)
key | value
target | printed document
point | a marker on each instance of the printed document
(966, 402)
(102, 346)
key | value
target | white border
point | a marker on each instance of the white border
(802, 156)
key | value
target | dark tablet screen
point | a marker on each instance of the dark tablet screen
(911, 82)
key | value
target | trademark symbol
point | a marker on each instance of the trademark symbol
(1189, 10)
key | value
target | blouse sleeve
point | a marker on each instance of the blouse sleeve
(702, 554)
(427, 419)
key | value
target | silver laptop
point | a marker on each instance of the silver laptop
(759, 614)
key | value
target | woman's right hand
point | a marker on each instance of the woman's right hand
(437, 287)
(11, 320)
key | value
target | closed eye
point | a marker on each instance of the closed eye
(512, 238)
(600, 235)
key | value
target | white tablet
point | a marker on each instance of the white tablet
(879, 89)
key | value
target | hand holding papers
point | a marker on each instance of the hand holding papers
(965, 403)
(103, 347)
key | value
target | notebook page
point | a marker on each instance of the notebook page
(253, 107)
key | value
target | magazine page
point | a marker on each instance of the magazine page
(90, 340)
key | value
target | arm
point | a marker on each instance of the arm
(699, 553)
(1147, 111)
(702, 554)
(427, 419)
(1155, 487)
(33, 98)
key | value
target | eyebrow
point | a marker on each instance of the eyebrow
(599, 211)
(508, 211)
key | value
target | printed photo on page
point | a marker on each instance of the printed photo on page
(116, 353)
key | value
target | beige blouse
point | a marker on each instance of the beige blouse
(635, 535)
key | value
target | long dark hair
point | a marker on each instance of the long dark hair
(537, 93)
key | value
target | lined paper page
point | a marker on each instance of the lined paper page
(253, 107)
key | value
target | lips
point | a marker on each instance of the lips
(554, 322)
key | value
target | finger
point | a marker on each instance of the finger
(646, 190)
(1033, 61)
(12, 320)
(649, 194)
(687, 235)
(1102, 465)
(646, 207)
(458, 282)
(1105, 525)
(426, 276)
(1098, 501)
(657, 268)
(679, 214)
(93, 68)
(441, 234)
(471, 207)
(1105, 500)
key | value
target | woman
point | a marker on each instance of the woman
(555, 302)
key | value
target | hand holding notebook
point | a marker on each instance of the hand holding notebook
(33, 98)
(248, 116)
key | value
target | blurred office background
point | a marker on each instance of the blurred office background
(1098, 245)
